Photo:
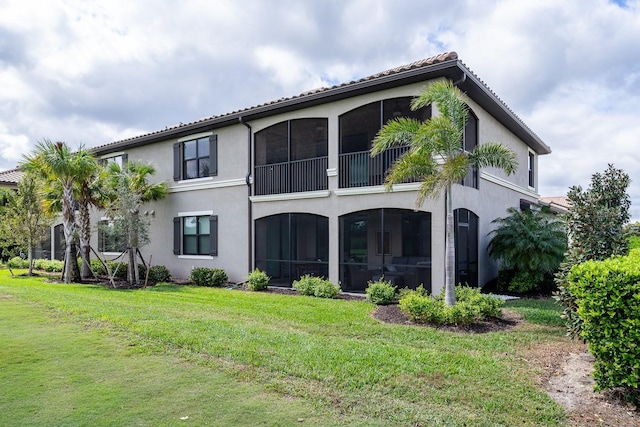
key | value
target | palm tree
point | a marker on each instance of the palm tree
(128, 190)
(61, 169)
(532, 243)
(437, 158)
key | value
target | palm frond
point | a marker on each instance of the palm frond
(396, 132)
(494, 155)
(410, 166)
(447, 98)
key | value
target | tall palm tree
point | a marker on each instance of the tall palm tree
(61, 169)
(129, 189)
(436, 156)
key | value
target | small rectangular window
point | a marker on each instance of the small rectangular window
(532, 162)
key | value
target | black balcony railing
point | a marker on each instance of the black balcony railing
(359, 169)
(292, 177)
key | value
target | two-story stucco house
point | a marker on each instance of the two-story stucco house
(289, 186)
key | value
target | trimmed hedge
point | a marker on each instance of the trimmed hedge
(607, 296)
(203, 276)
(316, 286)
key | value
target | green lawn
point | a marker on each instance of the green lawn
(87, 355)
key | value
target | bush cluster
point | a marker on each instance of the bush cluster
(39, 264)
(97, 267)
(17, 262)
(257, 280)
(118, 269)
(204, 276)
(470, 306)
(49, 265)
(157, 273)
(606, 294)
(316, 286)
(381, 292)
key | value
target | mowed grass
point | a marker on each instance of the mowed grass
(170, 351)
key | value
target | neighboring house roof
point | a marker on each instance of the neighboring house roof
(10, 178)
(445, 65)
(557, 203)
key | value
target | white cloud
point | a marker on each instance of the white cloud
(93, 72)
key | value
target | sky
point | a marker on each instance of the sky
(93, 72)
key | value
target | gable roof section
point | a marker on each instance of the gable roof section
(446, 65)
(10, 178)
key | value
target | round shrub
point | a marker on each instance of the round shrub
(381, 292)
(159, 273)
(17, 262)
(204, 276)
(257, 280)
(97, 267)
(316, 286)
(118, 269)
(326, 289)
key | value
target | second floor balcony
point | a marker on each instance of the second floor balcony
(292, 177)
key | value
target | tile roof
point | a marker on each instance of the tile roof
(443, 65)
(559, 202)
(10, 177)
(447, 56)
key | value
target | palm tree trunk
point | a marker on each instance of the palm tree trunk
(85, 236)
(450, 253)
(71, 274)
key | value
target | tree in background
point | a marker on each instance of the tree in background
(595, 224)
(531, 245)
(24, 222)
(437, 157)
(128, 189)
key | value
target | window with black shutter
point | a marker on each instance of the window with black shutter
(195, 158)
(195, 235)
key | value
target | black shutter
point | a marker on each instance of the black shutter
(125, 160)
(177, 230)
(213, 155)
(176, 161)
(213, 235)
(101, 226)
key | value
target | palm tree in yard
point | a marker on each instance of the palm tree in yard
(129, 188)
(65, 173)
(437, 158)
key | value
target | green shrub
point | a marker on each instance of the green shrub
(118, 269)
(470, 306)
(204, 276)
(381, 292)
(257, 280)
(326, 289)
(157, 273)
(53, 265)
(17, 262)
(39, 264)
(98, 268)
(606, 294)
(316, 286)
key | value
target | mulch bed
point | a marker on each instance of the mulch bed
(392, 314)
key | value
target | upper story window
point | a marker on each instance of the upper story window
(291, 156)
(196, 157)
(119, 159)
(532, 163)
(470, 142)
(358, 128)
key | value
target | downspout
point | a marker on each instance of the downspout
(249, 204)
(461, 80)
